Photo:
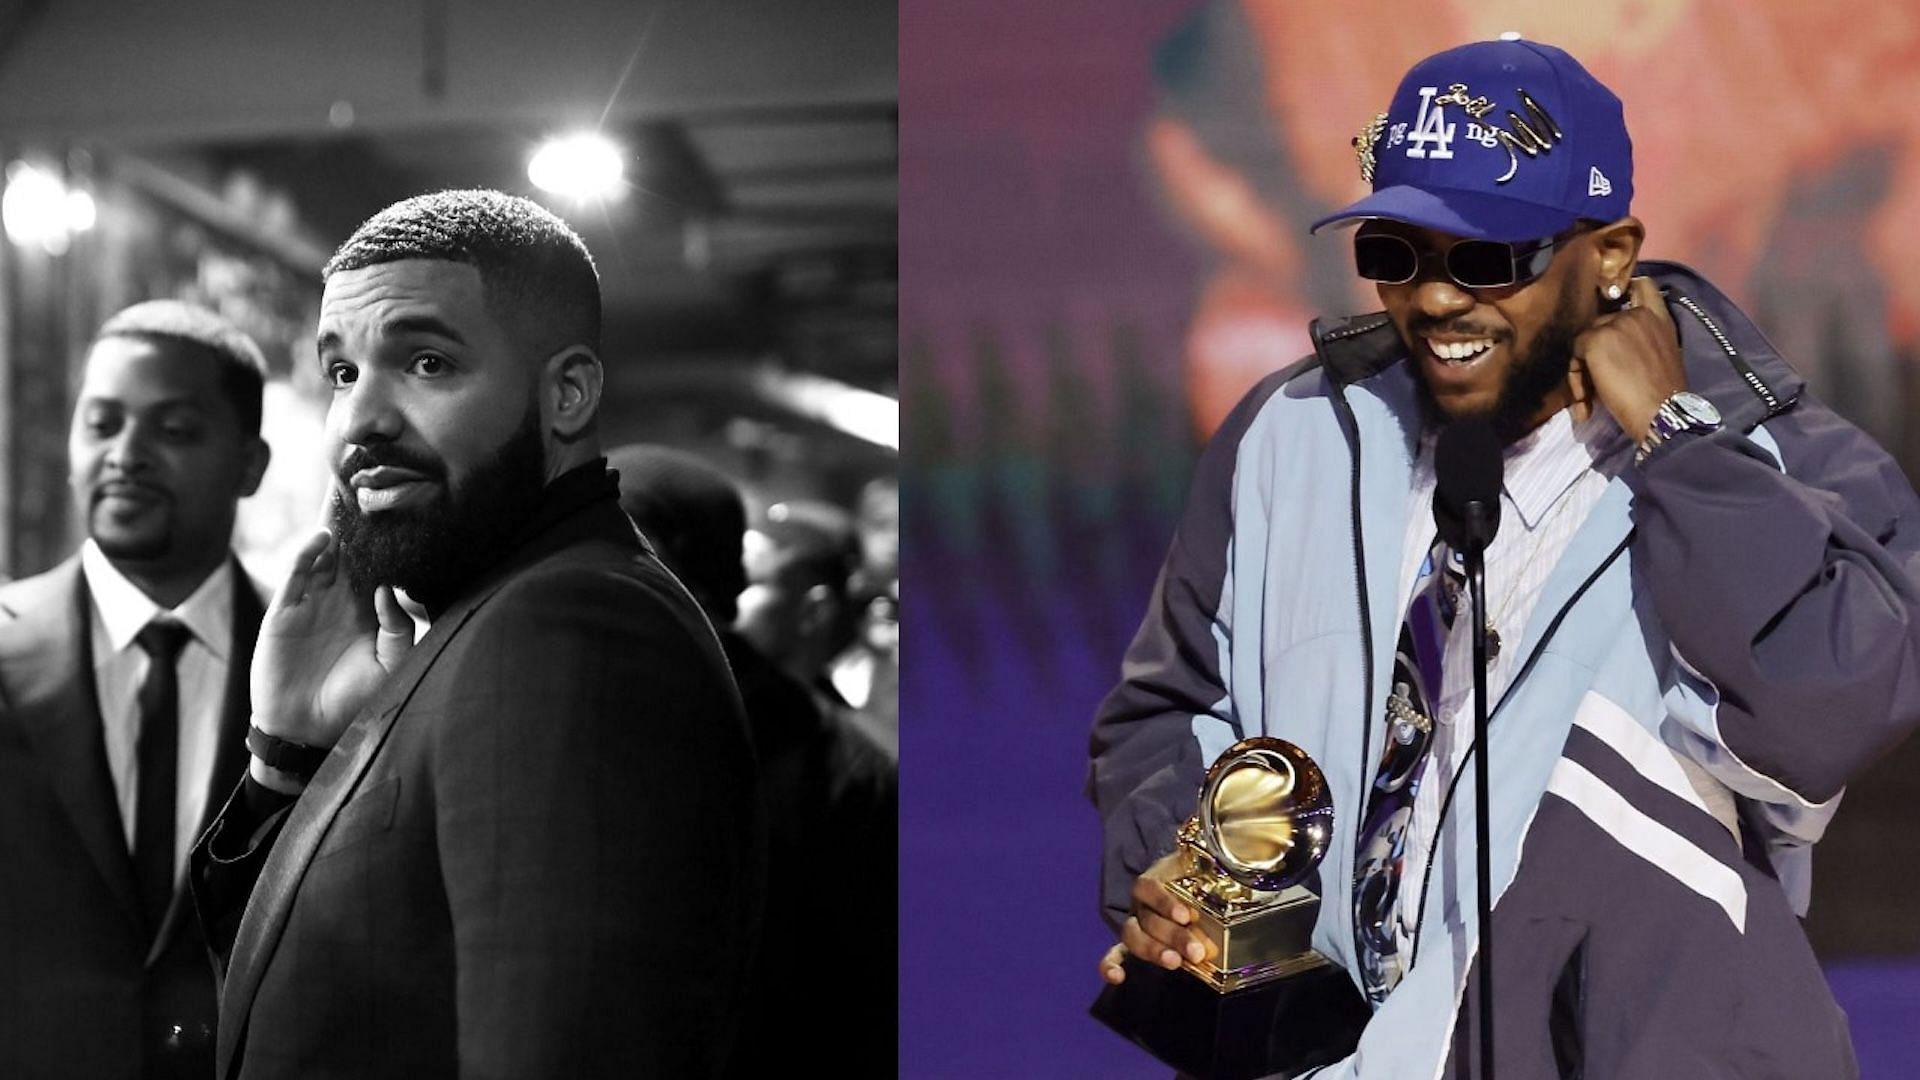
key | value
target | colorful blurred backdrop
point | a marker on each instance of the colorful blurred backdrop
(1103, 244)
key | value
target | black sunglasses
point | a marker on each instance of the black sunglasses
(1392, 259)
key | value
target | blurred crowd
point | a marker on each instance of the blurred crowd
(805, 597)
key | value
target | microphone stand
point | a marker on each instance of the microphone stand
(1480, 532)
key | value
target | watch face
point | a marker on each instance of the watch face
(1696, 409)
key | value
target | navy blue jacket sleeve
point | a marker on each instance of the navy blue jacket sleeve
(1146, 764)
(1790, 584)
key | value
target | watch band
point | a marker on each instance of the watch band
(284, 754)
(1682, 413)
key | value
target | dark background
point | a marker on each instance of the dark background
(748, 265)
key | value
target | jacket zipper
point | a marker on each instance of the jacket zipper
(1774, 407)
(1519, 677)
(1352, 426)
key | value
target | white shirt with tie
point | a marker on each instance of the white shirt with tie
(119, 612)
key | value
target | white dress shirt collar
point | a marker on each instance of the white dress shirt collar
(1542, 464)
(124, 610)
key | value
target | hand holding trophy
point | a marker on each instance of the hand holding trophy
(1256, 1000)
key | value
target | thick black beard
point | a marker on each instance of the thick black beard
(434, 551)
(1534, 375)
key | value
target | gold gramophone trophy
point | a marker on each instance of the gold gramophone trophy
(1266, 1003)
(1264, 821)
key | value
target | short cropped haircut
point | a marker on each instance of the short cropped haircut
(538, 275)
(243, 370)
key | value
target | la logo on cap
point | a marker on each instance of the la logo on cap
(1496, 140)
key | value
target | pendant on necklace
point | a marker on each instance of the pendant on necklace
(1493, 643)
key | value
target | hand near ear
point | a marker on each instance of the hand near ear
(1629, 361)
(323, 650)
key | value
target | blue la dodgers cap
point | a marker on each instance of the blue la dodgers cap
(1498, 140)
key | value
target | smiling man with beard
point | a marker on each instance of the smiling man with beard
(530, 844)
(123, 703)
(1701, 609)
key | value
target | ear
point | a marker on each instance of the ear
(253, 466)
(570, 386)
(1617, 250)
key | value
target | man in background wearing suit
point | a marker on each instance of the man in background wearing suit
(123, 706)
(532, 843)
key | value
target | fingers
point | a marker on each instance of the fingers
(1184, 941)
(1150, 894)
(1137, 941)
(1579, 390)
(1161, 929)
(1157, 941)
(1645, 294)
(314, 559)
(1160, 921)
(395, 636)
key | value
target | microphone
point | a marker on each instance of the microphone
(1466, 496)
(1466, 511)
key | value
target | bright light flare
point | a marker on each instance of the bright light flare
(860, 413)
(583, 166)
(80, 211)
(38, 210)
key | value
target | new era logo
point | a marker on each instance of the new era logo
(1597, 182)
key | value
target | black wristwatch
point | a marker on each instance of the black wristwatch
(285, 755)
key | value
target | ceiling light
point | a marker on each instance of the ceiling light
(80, 211)
(37, 209)
(860, 413)
(583, 166)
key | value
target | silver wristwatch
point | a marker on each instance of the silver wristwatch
(1686, 412)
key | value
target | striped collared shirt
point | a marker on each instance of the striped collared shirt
(1553, 478)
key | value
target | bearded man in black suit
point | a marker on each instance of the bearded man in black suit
(530, 844)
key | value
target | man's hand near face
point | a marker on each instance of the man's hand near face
(322, 653)
(1629, 360)
(1160, 930)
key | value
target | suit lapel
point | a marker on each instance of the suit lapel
(267, 909)
(231, 756)
(230, 752)
(46, 661)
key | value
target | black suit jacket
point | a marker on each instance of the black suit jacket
(83, 992)
(536, 852)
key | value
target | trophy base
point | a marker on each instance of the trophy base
(1279, 1028)
(1257, 942)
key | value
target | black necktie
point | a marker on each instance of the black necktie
(158, 757)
